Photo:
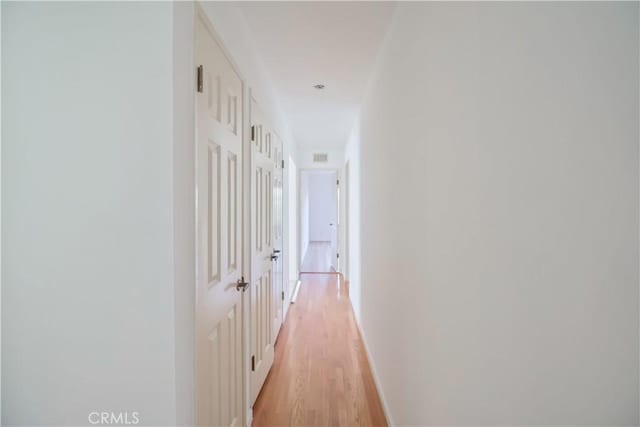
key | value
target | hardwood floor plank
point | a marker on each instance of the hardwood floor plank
(320, 376)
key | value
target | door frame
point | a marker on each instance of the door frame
(339, 213)
(279, 169)
(346, 257)
(199, 13)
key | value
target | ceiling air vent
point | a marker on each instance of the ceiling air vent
(320, 157)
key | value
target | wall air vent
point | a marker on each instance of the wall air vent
(320, 157)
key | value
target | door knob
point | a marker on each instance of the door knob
(276, 251)
(241, 285)
(274, 257)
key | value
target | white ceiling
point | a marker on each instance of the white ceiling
(306, 43)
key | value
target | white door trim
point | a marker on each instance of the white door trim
(346, 257)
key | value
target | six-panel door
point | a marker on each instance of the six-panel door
(219, 320)
(264, 295)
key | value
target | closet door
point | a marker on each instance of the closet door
(219, 320)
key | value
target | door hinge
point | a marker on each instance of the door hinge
(337, 182)
(282, 164)
(253, 133)
(253, 363)
(282, 295)
(200, 79)
(337, 255)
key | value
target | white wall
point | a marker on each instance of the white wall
(322, 205)
(305, 158)
(0, 216)
(184, 241)
(87, 267)
(498, 193)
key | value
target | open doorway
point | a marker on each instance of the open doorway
(319, 195)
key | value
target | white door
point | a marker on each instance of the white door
(263, 307)
(335, 226)
(219, 324)
(278, 276)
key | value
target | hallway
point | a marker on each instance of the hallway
(320, 213)
(320, 375)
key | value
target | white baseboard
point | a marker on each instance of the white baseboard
(376, 379)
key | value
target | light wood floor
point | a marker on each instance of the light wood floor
(320, 376)
(317, 259)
